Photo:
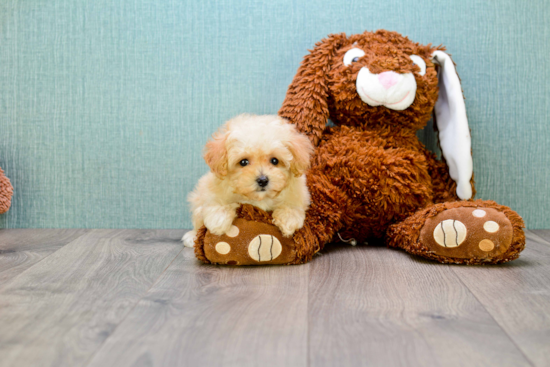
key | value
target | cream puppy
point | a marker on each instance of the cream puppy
(257, 160)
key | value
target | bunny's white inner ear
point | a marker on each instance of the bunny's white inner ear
(452, 123)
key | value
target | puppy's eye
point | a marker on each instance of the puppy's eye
(274, 161)
(244, 162)
(353, 55)
(420, 62)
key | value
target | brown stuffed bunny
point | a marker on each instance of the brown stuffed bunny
(370, 176)
(6, 191)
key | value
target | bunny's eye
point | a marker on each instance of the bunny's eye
(353, 55)
(420, 62)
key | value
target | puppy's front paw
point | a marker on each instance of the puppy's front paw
(288, 220)
(219, 221)
(189, 238)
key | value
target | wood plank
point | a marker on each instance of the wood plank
(206, 315)
(542, 234)
(517, 295)
(59, 312)
(373, 306)
(22, 248)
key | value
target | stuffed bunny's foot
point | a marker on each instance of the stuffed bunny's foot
(468, 233)
(246, 243)
(472, 232)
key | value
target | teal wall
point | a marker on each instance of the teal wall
(105, 105)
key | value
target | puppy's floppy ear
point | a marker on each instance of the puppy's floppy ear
(301, 149)
(452, 124)
(306, 104)
(215, 153)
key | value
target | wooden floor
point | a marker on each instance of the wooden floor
(138, 298)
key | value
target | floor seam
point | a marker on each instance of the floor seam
(495, 320)
(534, 233)
(2, 288)
(133, 307)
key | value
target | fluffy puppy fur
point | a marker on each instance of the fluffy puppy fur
(257, 160)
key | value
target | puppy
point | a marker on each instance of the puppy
(257, 160)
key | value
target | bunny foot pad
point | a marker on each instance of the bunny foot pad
(480, 234)
(246, 243)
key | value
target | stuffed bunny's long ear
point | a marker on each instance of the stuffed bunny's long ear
(452, 123)
(305, 104)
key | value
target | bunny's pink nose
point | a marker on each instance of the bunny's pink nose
(388, 79)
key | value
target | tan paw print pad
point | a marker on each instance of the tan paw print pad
(264, 248)
(249, 243)
(450, 233)
(468, 233)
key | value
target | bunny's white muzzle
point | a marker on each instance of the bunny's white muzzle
(392, 90)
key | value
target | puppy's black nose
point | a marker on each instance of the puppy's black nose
(262, 181)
